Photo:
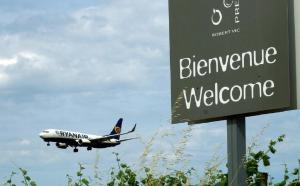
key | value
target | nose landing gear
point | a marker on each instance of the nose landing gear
(75, 150)
(89, 148)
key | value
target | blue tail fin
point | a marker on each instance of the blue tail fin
(117, 129)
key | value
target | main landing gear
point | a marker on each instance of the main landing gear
(48, 144)
(89, 148)
(75, 150)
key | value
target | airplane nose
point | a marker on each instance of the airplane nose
(41, 135)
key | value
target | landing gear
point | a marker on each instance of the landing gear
(75, 150)
(48, 144)
(89, 148)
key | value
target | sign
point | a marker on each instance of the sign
(228, 58)
(295, 37)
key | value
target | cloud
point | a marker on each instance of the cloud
(79, 68)
(93, 48)
(25, 142)
(91, 21)
(3, 78)
(80, 65)
(7, 62)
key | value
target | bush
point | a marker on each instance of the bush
(124, 175)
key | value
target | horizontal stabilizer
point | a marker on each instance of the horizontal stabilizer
(133, 129)
(127, 139)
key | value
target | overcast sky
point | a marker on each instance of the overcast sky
(80, 65)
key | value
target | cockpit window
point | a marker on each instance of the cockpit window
(45, 131)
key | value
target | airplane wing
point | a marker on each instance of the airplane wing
(112, 136)
(127, 139)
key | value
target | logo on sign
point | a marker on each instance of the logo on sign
(230, 15)
(226, 4)
(216, 13)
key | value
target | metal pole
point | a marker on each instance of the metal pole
(236, 150)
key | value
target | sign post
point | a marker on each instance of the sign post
(236, 150)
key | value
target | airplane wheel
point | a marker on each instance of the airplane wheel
(48, 144)
(89, 148)
(75, 150)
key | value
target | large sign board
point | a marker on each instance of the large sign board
(295, 36)
(229, 57)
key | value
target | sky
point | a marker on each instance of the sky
(81, 65)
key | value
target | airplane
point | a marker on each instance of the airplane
(63, 139)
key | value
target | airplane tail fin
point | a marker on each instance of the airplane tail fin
(117, 129)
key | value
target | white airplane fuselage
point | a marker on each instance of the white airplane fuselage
(64, 138)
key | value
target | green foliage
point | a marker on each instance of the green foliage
(214, 177)
(9, 182)
(255, 159)
(27, 181)
(124, 175)
(96, 178)
(285, 177)
(177, 178)
(296, 175)
(80, 180)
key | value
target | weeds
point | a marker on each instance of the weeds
(80, 180)
(10, 180)
(26, 179)
(124, 175)
(254, 159)
(97, 179)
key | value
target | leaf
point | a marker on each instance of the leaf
(85, 181)
(258, 155)
(266, 160)
(147, 169)
(81, 167)
(272, 149)
(295, 172)
(286, 177)
(123, 165)
(27, 178)
(272, 143)
(280, 138)
(111, 183)
(24, 172)
(79, 174)
(32, 183)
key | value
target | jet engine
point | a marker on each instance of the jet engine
(61, 145)
(113, 140)
(83, 141)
